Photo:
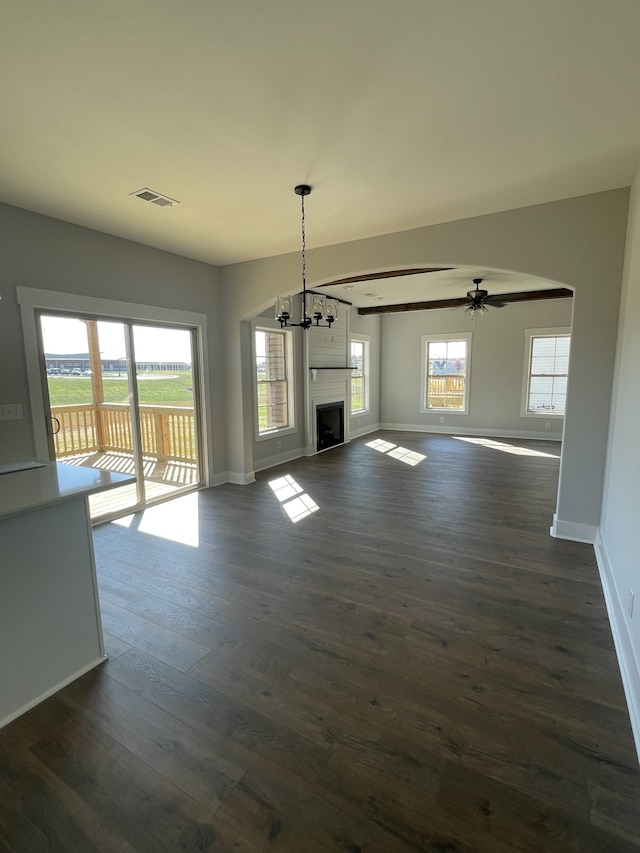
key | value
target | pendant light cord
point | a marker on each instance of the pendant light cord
(304, 263)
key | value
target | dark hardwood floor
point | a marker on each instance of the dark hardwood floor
(416, 665)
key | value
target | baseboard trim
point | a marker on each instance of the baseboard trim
(279, 459)
(32, 704)
(358, 433)
(219, 479)
(629, 670)
(575, 531)
(235, 478)
(449, 429)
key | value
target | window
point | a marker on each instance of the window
(445, 374)
(359, 376)
(546, 370)
(273, 372)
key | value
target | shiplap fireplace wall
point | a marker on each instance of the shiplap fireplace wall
(327, 379)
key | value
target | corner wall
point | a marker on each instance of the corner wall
(497, 369)
(617, 547)
(48, 254)
(578, 243)
(370, 326)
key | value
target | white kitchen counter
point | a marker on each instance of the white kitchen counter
(50, 627)
(53, 483)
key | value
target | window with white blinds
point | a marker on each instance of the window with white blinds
(547, 372)
(273, 381)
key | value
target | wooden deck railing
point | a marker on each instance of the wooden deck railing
(447, 391)
(167, 432)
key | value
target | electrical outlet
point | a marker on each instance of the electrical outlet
(630, 603)
(441, 420)
(547, 425)
(279, 445)
(10, 411)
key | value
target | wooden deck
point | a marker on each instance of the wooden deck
(382, 652)
(162, 479)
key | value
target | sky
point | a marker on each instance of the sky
(65, 335)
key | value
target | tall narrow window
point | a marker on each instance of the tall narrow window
(359, 376)
(446, 373)
(547, 371)
(272, 381)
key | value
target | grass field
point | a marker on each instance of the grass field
(172, 390)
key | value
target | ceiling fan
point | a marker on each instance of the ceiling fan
(479, 300)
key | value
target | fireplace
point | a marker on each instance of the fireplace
(330, 425)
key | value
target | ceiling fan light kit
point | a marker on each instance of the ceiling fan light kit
(315, 309)
(477, 299)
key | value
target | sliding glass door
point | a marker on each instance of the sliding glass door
(123, 396)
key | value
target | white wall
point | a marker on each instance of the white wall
(48, 254)
(578, 243)
(497, 368)
(617, 549)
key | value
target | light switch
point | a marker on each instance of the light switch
(10, 411)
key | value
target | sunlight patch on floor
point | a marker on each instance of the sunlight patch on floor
(176, 520)
(295, 502)
(506, 448)
(380, 445)
(409, 457)
(285, 488)
(300, 508)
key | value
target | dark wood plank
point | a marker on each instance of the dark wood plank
(203, 767)
(210, 711)
(176, 650)
(418, 666)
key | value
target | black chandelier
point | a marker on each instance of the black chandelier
(315, 309)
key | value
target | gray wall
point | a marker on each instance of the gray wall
(281, 448)
(371, 326)
(48, 254)
(497, 367)
(617, 547)
(578, 243)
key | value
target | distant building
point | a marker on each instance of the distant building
(80, 361)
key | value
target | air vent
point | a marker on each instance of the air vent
(155, 198)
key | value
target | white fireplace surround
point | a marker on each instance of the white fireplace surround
(327, 377)
(322, 396)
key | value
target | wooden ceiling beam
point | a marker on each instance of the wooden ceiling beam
(460, 302)
(374, 276)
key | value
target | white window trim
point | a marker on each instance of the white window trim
(529, 335)
(452, 336)
(31, 299)
(366, 340)
(266, 326)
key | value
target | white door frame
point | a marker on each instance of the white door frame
(31, 298)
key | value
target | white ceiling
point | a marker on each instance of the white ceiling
(426, 287)
(400, 113)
